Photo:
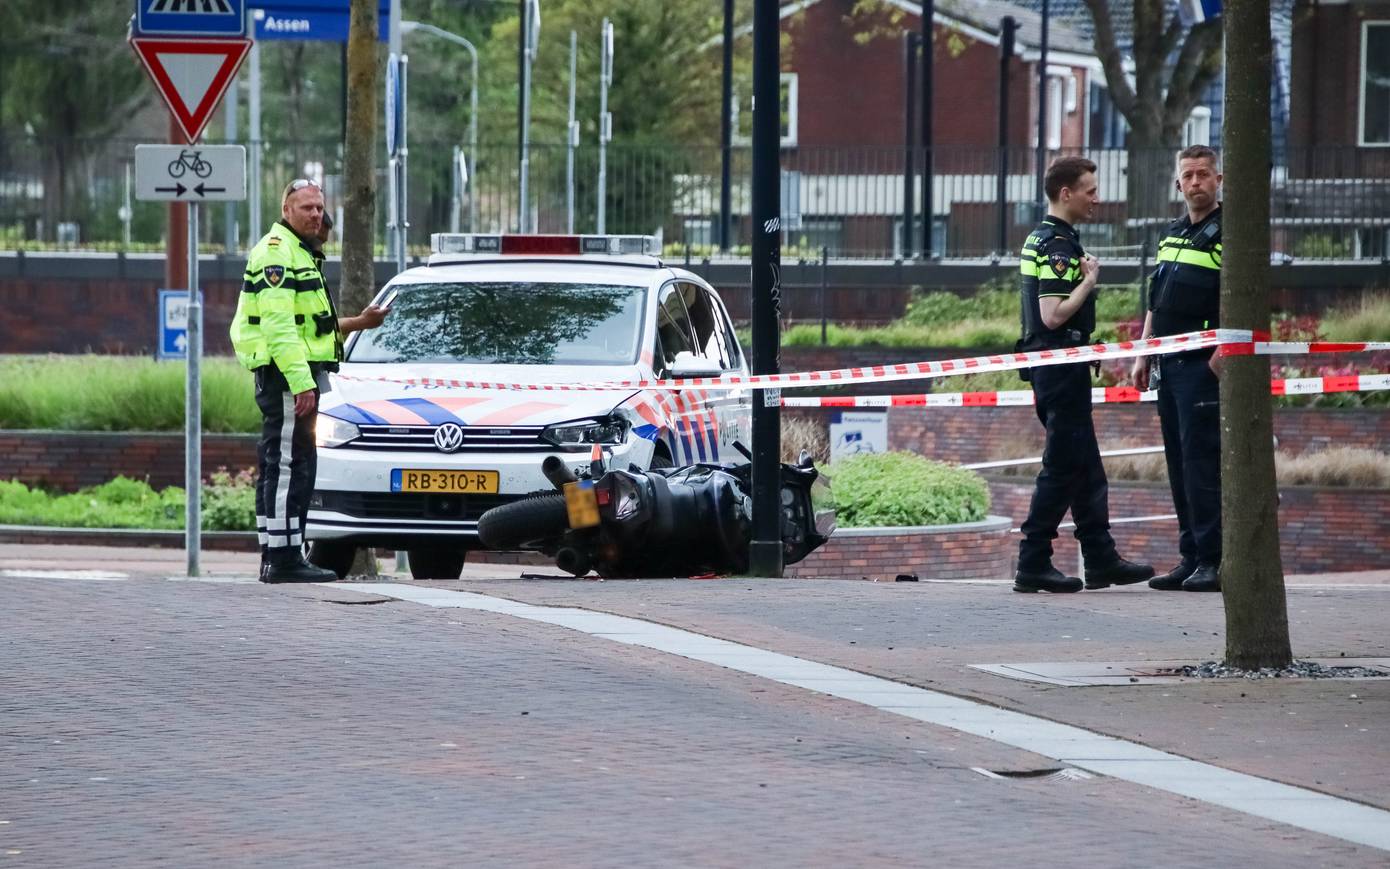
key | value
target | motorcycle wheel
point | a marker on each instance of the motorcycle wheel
(514, 525)
(435, 563)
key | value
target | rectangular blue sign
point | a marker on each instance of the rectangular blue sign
(190, 17)
(173, 324)
(309, 24)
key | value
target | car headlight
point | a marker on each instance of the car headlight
(329, 431)
(586, 432)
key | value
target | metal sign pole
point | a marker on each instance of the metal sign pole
(573, 140)
(193, 404)
(605, 124)
(402, 222)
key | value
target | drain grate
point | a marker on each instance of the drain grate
(1052, 773)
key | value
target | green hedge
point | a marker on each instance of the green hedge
(888, 489)
(121, 393)
(229, 504)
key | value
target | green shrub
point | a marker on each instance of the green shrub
(1367, 320)
(121, 393)
(229, 504)
(888, 489)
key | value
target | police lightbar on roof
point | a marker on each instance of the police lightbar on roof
(567, 245)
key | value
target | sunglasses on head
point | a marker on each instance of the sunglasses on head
(301, 183)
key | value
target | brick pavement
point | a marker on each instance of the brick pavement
(148, 721)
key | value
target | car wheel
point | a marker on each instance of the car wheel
(513, 526)
(660, 459)
(436, 563)
(332, 555)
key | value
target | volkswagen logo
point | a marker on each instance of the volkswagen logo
(448, 437)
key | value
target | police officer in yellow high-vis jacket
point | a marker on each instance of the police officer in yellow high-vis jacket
(1185, 296)
(288, 333)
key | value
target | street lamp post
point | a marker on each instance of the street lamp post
(407, 27)
(531, 31)
(605, 123)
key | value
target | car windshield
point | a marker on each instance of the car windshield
(508, 324)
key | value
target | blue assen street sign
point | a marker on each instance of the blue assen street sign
(190, 17)
(304, 20)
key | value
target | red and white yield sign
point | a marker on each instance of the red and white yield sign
(191, 74)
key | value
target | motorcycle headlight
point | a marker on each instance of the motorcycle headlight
(586, 432)
(329, 431)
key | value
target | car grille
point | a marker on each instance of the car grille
(409, 505)
(412, 438)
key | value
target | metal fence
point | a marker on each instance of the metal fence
(1326, 204)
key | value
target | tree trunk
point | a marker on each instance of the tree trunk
(1252, 576)
(1149, 179)
(358, 284)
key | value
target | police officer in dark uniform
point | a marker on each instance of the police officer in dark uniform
(1058, 310)
(1184, 296)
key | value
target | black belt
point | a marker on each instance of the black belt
(256, 321)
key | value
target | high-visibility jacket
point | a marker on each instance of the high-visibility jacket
(1185, 293)
(1050, 265)
(284, 314)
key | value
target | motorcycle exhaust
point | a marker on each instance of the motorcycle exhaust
(572, 561)
(557, 472)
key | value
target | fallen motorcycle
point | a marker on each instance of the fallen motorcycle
(686, 521)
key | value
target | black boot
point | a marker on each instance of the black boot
(1118, 572)
(1173, 579)
(1204, 578)
(1051, 579)
(289, 566)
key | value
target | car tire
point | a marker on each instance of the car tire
(333, 555)
(661, 460)
(513, 526)
(436, 563)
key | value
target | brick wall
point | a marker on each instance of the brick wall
(67, 461)
(984, 433)
(977, 550)
(1320, 530)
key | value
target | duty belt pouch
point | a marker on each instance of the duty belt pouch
(1024, 374)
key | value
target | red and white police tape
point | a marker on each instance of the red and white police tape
(1105, 395)
(1232, 342)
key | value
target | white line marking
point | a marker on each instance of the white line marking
(100, 575)
(1106, 755)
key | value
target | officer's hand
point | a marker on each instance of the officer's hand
(1140, 373)
(1216, 362)
(373, 316)
(305, 402)
(1090, 268)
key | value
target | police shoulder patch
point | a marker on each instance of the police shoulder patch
(273, 241)
(1061, 264)
(274, 275)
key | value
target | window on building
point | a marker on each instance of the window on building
(743, 113)
(1375, 83)
(1197, 130)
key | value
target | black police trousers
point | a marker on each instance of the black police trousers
(1072, 476)
(1190, 411)
(287, 461)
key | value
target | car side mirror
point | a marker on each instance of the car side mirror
(687, 364)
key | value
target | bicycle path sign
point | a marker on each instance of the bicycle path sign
(190, 173)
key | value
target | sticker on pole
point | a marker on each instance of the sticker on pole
(173, 324)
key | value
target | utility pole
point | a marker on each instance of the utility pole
(1039, 194)
(605, 124)
(928, 98)
(765, 550)
(910, 42)
(531, 29)
(1007, 27)
(726, 129)
(1252, 575)
(571, 138)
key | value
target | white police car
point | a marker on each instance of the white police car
(406, 462)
